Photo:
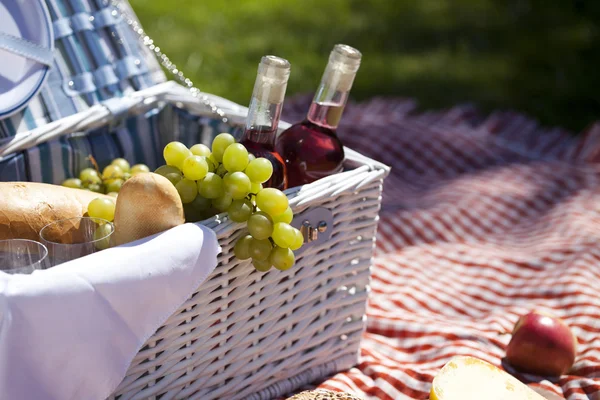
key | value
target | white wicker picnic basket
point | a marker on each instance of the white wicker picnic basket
(245, 334)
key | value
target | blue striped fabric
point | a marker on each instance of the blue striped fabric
(97, 57)
(138, 139)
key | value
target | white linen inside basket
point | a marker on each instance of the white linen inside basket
(71, 332)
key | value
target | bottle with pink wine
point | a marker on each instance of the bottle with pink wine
(264, 113)
(311, 149)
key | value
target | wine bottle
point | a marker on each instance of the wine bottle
(263, 117)
(311, 149)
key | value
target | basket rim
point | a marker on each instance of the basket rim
(136, 103)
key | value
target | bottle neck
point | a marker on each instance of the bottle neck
(262, 121)
(331, 96)
(326, 110)
(266, 101)
(330, 99)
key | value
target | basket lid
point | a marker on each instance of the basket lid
(26, 51)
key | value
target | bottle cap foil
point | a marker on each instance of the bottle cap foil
(271, 79)
(344, 62)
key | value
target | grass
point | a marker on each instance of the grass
(540, 57)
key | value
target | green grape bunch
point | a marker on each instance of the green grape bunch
(109, 181)
(227, 178)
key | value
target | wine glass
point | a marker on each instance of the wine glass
(72, 238)
(22, 256)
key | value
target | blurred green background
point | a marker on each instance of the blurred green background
(541, 57)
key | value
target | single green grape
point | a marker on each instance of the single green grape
(237, 185)
(282, 258)
(89, 175)
(200, 150)
(102, 208)
(262, 266)
(112, 172)
(298, 240)
(127, 175)
(251, 157)
(174, 178)
(272, 201)
(242, 247)
(167, 169)
(139, 169)
(211, 186)
(187, 190)
(260, 225)
(222, 203)
(102, 236)
(73, 183)
(240, 210)
(260, 249)
(235, 157)
(197, 210)
(202, 204)
(95, 187)
(121, 163)
(286, 217)
(175, 152)
(114, 185)
(283, 234)
(194, 168)
(220, 144)
(259, 170)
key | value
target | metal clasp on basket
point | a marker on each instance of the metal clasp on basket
(316, 225)
(311, 234)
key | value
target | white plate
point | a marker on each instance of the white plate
(22, 77)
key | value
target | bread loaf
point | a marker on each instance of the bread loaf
(26, 207)
(148, 203)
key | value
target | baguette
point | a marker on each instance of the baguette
(148, 203)
(26, 207)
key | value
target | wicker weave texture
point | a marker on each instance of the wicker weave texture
(246, 334)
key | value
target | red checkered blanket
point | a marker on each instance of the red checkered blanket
(483, 219)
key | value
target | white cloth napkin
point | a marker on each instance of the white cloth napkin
(70, 332)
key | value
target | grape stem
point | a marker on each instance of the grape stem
(249, 198)
(94, 163)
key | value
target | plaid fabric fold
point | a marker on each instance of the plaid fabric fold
(483, 219)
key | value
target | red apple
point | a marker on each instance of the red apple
(542, 344)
